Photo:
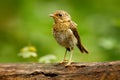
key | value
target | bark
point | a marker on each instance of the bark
(56, 71)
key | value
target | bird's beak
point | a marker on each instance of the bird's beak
(51, 15)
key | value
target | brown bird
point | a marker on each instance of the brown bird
(66, 34)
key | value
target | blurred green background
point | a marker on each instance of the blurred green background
(24, 22)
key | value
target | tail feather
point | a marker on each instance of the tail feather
(82, 49)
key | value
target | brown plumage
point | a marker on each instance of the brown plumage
(65, 32)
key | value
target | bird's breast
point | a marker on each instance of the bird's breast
(61, 26)
(64, 36)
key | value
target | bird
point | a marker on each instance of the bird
(66, 34)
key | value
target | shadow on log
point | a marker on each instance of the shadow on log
(55, 71)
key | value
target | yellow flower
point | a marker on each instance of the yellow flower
(28, 51)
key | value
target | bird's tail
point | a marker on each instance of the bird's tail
(81, 48)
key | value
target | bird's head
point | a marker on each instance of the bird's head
(60, 16)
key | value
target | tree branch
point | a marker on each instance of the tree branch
(56, 71)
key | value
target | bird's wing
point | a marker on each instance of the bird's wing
(75, 32)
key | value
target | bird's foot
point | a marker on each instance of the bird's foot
(68, 64)
(64, 61)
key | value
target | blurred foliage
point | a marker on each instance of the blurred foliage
(24, 22)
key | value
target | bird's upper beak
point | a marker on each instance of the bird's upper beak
(51, 15)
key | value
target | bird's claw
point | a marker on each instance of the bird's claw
(68, 64)
(64, 61)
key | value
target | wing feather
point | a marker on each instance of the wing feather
(75, 32)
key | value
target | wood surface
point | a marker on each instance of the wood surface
(57, 71)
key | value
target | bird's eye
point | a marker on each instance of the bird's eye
(60, 15)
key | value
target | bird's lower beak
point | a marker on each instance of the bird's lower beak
(51, 15)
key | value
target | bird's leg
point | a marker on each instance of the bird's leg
(70, 59)
(64, 59)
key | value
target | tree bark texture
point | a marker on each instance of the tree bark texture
(57, 71)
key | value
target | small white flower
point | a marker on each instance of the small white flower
(28, 51)
(107, 43)
(47, 58)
